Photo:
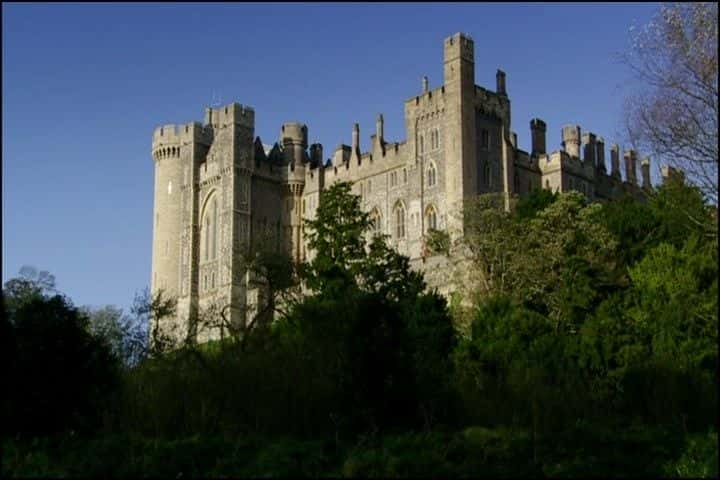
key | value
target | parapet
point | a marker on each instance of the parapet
(459, 45)
(233, 113)
(294, 132)
(171, 136)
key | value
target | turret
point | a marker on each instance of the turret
(500, 83)
(537, 132)
(630, 171)
(645, 171)
(615, 161)
(293, 137)
(571, 140)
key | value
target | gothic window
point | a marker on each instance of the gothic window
(431, 218)
(376, 221)
(431, 175)
(208, 232)
(399, 217)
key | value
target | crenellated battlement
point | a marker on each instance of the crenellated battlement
(232, 114)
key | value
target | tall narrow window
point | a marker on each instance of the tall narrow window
(399, 220)
(485, 138)
(213, 253)
(404, 175)
(422, 144)
(486, 173)
(376, 221)
(431, 175)
(431, 218)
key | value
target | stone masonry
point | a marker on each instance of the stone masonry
(220, 192)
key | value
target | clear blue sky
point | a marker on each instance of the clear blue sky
(84, 86)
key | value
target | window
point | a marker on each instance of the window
(404, 175)
(422, 144)
(393, 179)
(434, 139)
(376, 221)
(212, 280)
(431, 175)
(399, 216)
(170, 187)
(208, 233)
(486, 173)
(369, 187)
(485, 138)
(431, 218)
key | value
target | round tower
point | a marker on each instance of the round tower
(293, 136)
(167, 226)
(571, 140)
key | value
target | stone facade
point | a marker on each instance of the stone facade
(219, 192)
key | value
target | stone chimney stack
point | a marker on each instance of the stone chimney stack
(537, 132)
(645, 171)
(601, 154)
(356, 138)
(379, 129)
(615, 161)
(571, 140)
(425, 84)
(589, 150)
(630, 169)
(500, 83)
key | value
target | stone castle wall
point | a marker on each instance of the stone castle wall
(220, 195)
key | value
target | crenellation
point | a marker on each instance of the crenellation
(225, 193)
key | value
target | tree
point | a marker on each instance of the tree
(675, 116)
(126, 335)
(59, 375)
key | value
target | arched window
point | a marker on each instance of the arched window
(430, 218)
(399, 218)
(208, 232)
(376, 221)
(431, 175)
(422, 144)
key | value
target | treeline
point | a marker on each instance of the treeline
(583, 341)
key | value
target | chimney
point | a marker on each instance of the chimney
(425, 84)
(630, 171)
(615, 161)
(589, 152)
(571, 140)
(600, 152)
(645, 170)
(537, 132)
(379, 129)
(500, 83)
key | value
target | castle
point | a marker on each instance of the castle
(220, 193)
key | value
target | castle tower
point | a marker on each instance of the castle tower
(461, 166)
(294, 139)
(538, 130)
(167, 226)
(571, 140)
